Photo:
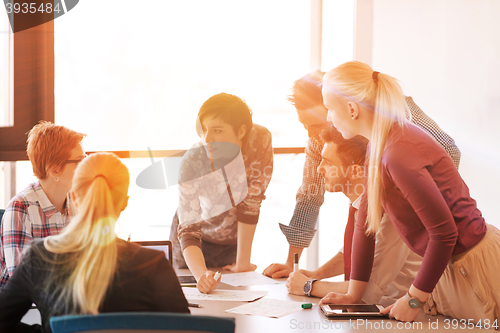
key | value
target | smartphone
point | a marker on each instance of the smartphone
(353, 310)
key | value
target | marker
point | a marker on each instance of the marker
(217, 276)
(296, 263)
(306, 305)
(194, 305)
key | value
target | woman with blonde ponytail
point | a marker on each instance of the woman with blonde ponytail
(86, 269)
(410, 177)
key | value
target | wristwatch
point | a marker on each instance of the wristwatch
(412, 301)
(308, 287)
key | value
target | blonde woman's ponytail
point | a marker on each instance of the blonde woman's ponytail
(381, 93)
(88, 244)
(390, 107)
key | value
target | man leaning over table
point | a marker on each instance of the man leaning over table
(308, 101)
(395, 265)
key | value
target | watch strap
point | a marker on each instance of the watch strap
(413, 302)
(308, 287)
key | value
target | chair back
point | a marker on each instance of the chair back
(149, 322)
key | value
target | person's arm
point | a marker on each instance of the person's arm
(196, 263)
(277, 270)
(322, 288)
(363, 249)
(248, 210)
(407, 168)
(309, 198)
(353, 295)
(422, 120)
(190, 241)
(401, 310)
(244, 249)
(297, 280)
(15, 235)
(412, 178)
(189, 212)
(333, 267)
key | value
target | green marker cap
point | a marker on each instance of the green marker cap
(307, 306)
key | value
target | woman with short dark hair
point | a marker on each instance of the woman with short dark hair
(219, 203)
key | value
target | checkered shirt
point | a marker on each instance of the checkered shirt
(29, 215)
(419, 118)
(310, 196)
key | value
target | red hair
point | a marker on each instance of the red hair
(49, 145)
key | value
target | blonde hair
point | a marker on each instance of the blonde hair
(86, 252)
(49, 145)
(356, 81)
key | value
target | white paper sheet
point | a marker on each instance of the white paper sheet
(266, 307)
(192, 294)
(247, 279)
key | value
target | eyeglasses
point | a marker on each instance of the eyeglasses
(75, 161)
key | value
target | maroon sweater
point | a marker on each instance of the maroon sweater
(427, 201)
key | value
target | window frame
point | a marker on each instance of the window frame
(33, 76)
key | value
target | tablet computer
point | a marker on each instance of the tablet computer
(352, 310)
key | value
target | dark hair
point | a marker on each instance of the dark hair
(306, 91)
(350, 151)
(230, 109)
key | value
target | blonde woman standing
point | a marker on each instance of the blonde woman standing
(86, 269)
(415, 182)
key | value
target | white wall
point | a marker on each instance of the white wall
(446, 53)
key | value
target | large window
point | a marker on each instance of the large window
(137, 77)
(133, 75)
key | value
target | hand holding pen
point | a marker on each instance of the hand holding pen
(208, 281)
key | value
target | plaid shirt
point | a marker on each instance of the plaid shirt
(310, 195)
(29, 215)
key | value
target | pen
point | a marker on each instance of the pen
(194, 305)
(296, 263)
(217, 276)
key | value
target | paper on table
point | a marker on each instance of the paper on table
(266, 307)
(192, 294)
(247, 279)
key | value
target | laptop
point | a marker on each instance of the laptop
(165, 246)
